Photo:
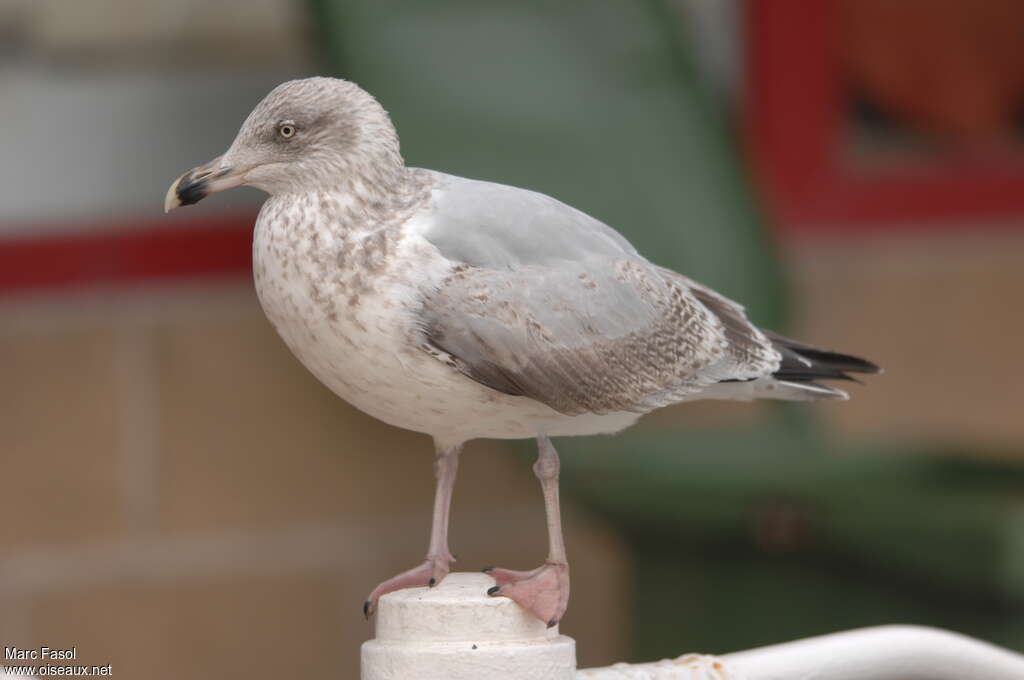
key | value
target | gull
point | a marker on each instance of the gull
(466, 309)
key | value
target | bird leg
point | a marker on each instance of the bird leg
(544, 592)
(439, 558)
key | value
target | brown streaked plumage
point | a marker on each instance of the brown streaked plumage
(469, 309)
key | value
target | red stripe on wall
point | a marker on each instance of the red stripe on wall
(131, 252)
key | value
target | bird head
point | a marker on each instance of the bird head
(309, 134)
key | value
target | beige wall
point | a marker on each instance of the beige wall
(181, 499)
(941, 312)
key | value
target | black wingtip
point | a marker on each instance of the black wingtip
(844, 362)
(802, 362)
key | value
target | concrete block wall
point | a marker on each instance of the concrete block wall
(938, 310)
(181, 499)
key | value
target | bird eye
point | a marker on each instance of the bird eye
(286, 130)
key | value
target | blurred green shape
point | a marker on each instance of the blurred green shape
(791, 546)
(743, 537)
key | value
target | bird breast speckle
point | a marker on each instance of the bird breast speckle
(342, 288)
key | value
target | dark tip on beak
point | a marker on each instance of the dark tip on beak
(192, 189)
(200, 182)
(188, 189)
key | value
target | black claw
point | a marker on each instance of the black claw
(487, 570)
(432, 582)
(552, 623)
(493, 589)
(366, 610)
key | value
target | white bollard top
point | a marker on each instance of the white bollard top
(458, 609)
(455, 631)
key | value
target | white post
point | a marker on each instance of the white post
(455, 631)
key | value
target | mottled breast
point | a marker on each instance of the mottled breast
(344, 299)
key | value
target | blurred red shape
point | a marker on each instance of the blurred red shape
(131, 252)
(796, 114)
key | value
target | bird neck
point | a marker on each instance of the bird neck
(362, 202)
(379, 192)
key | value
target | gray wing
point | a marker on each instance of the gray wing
(548, 303)
(497, 226)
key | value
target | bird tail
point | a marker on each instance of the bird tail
(769, 388)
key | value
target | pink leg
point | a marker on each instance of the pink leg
(544, 592)
(439, 558)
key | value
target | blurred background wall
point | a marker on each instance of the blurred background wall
(181, 499)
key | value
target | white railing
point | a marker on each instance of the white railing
(456, 632)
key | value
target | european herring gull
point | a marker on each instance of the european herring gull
(465, 309)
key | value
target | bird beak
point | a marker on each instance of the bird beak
(200, 182)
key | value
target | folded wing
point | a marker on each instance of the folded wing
(548, 303)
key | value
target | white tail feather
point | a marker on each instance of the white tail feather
(768, 388)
